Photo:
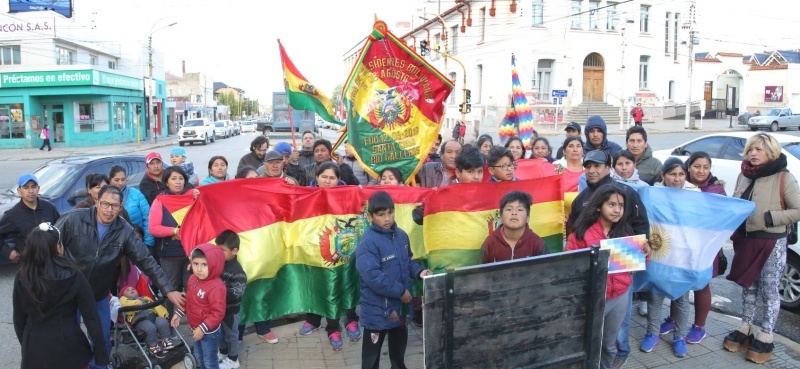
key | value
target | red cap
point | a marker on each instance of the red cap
(122, 290)
(151, 156)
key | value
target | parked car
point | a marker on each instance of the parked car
(223, 129)
(775, 119)
(725, 150)
(248, 126)
(237, 127)
(196, 130)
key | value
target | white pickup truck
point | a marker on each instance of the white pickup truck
(775, 119)
(196, 130)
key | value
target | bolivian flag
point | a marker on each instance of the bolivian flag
(178, 206)
(395, 104)
(297, 243)
(537, 168)
(301, 94)
(458, 218)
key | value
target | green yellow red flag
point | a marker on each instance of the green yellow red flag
(177, 205)
(395, 104)
(301, 94)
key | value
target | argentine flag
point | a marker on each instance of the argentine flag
(687, 230)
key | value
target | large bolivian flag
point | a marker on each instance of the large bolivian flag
(301, 94)
(537, 168)
(458, 218)
(297, 243)
(394, 101)
(177, 205)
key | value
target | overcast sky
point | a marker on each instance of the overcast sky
(234, 41)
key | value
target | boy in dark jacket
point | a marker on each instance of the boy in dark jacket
(514, 239)
(205, 303)
(385, 267)
(235, 280)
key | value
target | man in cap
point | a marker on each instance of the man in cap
(573, 129)
(285, 149)
(151, 184)
(273, 167)
(28, 213)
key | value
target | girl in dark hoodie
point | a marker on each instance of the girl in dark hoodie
(514, 239)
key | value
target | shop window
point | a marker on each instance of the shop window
(120, 116)
(112, 64)
(11, 55)
(91, 117)
(12, 121)
(93, 59)
(64, 56)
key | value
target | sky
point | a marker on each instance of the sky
(234, 41)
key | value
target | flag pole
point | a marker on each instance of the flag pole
(291, 125)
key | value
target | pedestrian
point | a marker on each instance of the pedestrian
(17, 222)
(513, 239)
(433, 175)
(649, 167)
(254, 159)
(457, 130)
(673, 174)
(328, 177)
(501, 164)
(571, 163)
(637, 113)
(217, 170)
(246, 172)
(235, 280)
(273, 168)
(759, 245)
(49, 291)
(306, 155)
(517, 148)
(45, 136)
(205, 303)
(165, 229)
(285, 150)
(391, 177)
(484, 144)
(462, 132)
(470, 165)
(624, 170)
(151, 184)
(573, 129)
(597, 136)
(135, 203)
(322, 154)
(604, 217)
(540, 149)
(385, 289)
(152, 321)
(433, 154)
(177, 156)
(96, 238)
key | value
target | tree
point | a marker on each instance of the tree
(336, 98)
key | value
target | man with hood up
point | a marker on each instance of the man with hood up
(597, 136)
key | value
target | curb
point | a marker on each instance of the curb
(70, 151)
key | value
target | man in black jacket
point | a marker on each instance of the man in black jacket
(151, 184)
(96, 238)
(255, 159)
(26, 215)
(597, 166)
(322, 153)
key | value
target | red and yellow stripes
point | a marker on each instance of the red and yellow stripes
(301, 94)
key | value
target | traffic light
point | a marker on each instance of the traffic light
(138, 109)
(461, 109)
(423, 47)
(468, 96)
(469, 108)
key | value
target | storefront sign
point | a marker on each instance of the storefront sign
(12, 28)
(68, 78)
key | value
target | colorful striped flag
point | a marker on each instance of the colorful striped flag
(177, 205)
(458, 218)
(297, 243)
(518, 121)
(686, 233)
(301, 94)
(395, 104)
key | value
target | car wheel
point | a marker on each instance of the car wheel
(267, 132)
(773, 127)
(790, 282)
(213, 138)
(205, 141)
(754, 128)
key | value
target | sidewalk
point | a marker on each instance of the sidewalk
(313, 351)
(60, 152)
(658, 127)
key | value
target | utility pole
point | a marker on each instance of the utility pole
(622, 84)
(690, 26)
(150, 84)
(463, 110)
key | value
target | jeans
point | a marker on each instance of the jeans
(178, 276)
(104, 313)
(623, 346)
(229, 344)
(262, 328)
(205, 350)
(46, 142)
(373, 341)
(613, 316)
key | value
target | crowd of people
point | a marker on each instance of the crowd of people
(75, 261)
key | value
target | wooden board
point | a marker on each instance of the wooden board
(543, 312)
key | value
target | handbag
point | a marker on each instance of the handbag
(791, 236)
(42, 135)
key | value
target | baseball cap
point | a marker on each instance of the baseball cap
(273, 155)
(152, 156)
(283, 148)
(573, 125)
(178, 151)
(597, 156)
(25, 178)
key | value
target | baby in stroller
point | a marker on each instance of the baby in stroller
(151, 321)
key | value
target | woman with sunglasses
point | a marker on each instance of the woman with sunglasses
(48, 293)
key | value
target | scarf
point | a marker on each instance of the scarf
(764, 170)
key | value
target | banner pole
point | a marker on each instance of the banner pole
(291, 126)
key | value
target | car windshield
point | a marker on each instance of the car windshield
(54, 179)
(793, 148)
(772, 112)
(193, 123)
(219, 124)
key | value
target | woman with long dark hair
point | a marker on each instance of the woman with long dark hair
(48, 293)
(217, 170)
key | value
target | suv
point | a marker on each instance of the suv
(196, 130)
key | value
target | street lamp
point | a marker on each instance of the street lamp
(149, 113)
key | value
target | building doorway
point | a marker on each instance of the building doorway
(54, 118)
(708, 90)
(593, 78)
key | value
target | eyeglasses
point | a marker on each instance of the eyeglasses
(504, 166)
(105, 205)
(46, 226)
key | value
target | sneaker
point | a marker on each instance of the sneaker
(759, 352)
(307, 328)
(619, 362)
(649, 342)
(167, 344)
(737, 341)
(156, 352)
(272, 337)
(696, 334)
(667, 326)
(679, 346)
(221, 356)
(643, 308)
(229, 364)
(353, 331)
(336, 341)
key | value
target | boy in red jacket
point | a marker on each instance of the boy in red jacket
(205, 303)
(514, 239)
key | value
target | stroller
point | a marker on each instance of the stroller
(126, 335)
